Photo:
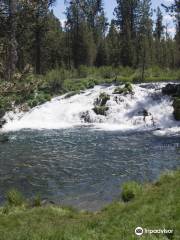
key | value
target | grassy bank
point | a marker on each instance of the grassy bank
(151, 206)
(32, 90)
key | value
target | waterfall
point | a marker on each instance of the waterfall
(125, 112)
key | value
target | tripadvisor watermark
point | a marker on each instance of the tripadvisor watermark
(139, 231)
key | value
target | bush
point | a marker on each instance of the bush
(37, 201)
(15, 198)
(54, 80)
(130, 191)
(83, 71)
(107, 72)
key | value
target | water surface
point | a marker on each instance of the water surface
(83, 167)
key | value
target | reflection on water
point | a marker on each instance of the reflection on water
(82, 167)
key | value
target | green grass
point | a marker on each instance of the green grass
(152, 206)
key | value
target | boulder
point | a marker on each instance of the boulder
(102, 99)
(127, 89)
(85, 116)
(176, 105)
(101, 110)
(100, 107)
(2, 122)
(171, 89)
(2, 113)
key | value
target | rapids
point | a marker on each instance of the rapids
(125, 112)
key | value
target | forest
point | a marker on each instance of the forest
(40, 57)
(32, 38)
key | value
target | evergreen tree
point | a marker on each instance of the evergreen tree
(145, 36)
(8, 16)
(158, 35)
(126, 19)
(159, 29)
(114, 45)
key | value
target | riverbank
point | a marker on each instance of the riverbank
(30, 90)
(152, 206)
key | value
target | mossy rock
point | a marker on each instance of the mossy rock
(118, 90)
(125, 90)
(102, 100)
(176, 105)
(101, 110)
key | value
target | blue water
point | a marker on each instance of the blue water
(83, 167)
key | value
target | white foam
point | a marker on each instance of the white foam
(125, 112)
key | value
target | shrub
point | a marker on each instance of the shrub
(37, 201)
(15, 198)
(130, 191)
(55, 79)
(83, 71)
(107, 72)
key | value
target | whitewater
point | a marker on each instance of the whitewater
(125, 111)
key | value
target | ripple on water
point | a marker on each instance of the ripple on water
(82, 167)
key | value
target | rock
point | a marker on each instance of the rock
(145, 113)
(2, 122)
(102, 100)
(171, 89)
(125, 90)
(71, 94)
(2, 113)
(100, 107)
(46, 202)
(174, 91)
(176, 105)
(86, 117)
(101, 110)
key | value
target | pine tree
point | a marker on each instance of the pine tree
(12, 58)
(145, 37)
(114, 45)
(159, 29)
(126, 19)
(158, 35)
(174, 10)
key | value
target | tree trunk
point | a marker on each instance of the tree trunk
(12, 43)
(38, 51)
